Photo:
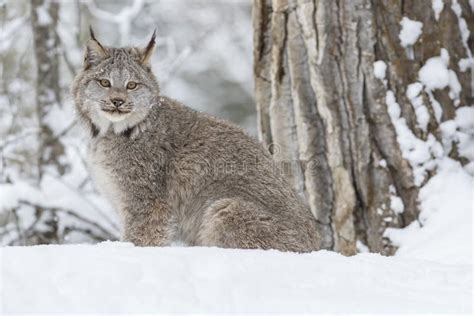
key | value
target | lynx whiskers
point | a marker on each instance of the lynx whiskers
(146, 154)
(116, 86)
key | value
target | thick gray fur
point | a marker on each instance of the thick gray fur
(176, 175)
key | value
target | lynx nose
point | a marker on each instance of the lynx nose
(117, 102)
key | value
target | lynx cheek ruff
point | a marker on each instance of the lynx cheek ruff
(143, 158)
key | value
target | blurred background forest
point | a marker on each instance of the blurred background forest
(46, 195)
(371, 103)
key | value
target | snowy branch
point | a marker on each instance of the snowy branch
(122, 19)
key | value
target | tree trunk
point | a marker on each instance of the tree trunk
(44, 20)
(345, 128)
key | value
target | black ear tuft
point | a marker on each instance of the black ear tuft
(92, 33)
(147, 52)
(95, 52)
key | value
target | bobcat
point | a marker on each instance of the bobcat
(177, 175)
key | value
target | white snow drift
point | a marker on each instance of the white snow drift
(117, 277)
(431, 273)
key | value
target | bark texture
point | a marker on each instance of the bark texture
(322, 110)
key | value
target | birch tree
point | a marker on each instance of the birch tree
(354, 93)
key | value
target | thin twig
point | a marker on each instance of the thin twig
(72, 214)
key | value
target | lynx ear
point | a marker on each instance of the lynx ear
(94, 52)
(148, 51)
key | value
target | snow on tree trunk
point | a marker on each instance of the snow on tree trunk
(351, 95)
(44, 20)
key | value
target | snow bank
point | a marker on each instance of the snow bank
(447, 204)
(117, 277)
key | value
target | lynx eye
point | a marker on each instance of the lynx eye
(104, 83)
(131, 85)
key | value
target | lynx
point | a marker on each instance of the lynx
(177, 175)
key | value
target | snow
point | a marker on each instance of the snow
(392, 106)
(465, 64)
(380, 67)
(414, 95)
(444, 231)
(361, 247)
(414, 90)
(465, 33)
(454, 85)
(43, 15)
(465, 118)
(123, 19)
(431, 272)
(460, 130)
(438, 6)
(447, 203)
(59, 118)
(120, 278)
(9, 29)
(396, 203)
(465, 131)
(438, 110)
(420, 153)
(383, 163)
(11, 194)
(410, 32)
(435, 74)
(456, 7)
(56, 193)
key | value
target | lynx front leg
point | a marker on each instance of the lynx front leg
(148, 228)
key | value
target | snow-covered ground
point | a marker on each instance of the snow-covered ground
(117, 277)
(431, 273)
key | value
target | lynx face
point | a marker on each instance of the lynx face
(116, 87)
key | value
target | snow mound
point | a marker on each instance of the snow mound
(447, 203)
(117, 277)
